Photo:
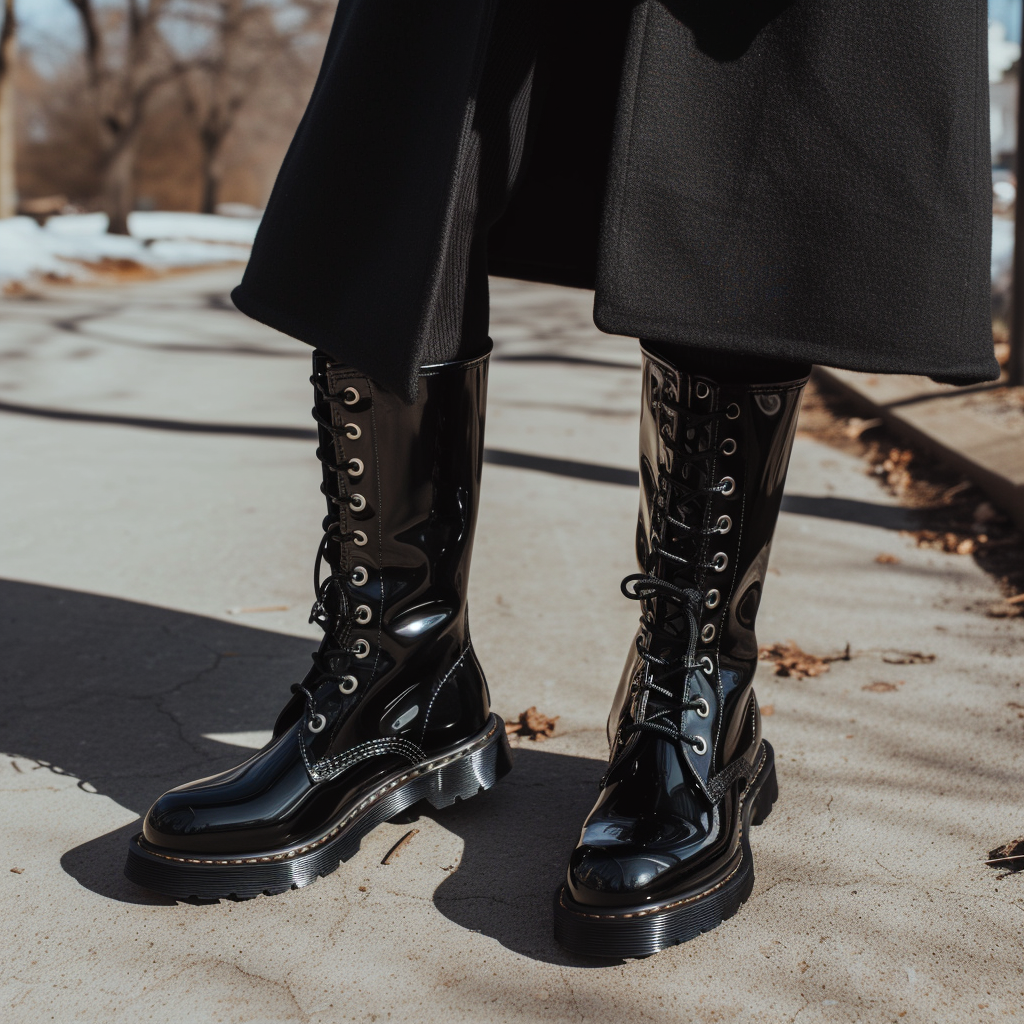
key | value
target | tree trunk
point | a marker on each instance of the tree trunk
(8, 186)
(211, 181)
(119, 187)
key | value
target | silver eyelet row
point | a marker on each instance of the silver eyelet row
(360, 577)
(702, 749)
(356, 502)
(348, 684)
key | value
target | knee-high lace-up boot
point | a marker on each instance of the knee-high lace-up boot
(664, 855)
(395, 708)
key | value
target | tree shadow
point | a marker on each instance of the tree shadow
(118, 693)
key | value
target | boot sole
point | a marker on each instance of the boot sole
(629, 932)
(456, 774)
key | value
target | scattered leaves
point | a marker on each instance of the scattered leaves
(886, 559)
(908, 658)
(894, 468)
(791, 661)
(948, 541)
(767, 710)
(881, 687)
(1004, 610)
(1009, 856)
(399, 846)
(532, 724)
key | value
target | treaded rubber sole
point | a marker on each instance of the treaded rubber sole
(625, 932)
(456, 774)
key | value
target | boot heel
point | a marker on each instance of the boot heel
(768, 791)
(472, 774)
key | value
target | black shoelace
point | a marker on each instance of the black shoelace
(331, 610)
(668, 721)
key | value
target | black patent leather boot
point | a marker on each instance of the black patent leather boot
(665, 855)
(395, 708)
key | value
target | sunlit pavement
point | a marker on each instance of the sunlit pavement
(159, 519)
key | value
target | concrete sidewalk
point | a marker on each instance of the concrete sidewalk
(157, 536)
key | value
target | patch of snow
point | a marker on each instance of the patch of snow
(68, 244)
(197, 227)
(78, 225)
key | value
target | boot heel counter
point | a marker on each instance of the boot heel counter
(460, 702)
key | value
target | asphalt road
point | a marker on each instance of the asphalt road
(159, 519)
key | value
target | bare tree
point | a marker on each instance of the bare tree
(247, 42)
(8, 190)
(127, 60)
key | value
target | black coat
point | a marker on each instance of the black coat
(801, 180)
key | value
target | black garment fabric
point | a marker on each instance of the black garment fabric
(799, 180)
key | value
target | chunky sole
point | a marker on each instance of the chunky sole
(456, 774)
(625, 932)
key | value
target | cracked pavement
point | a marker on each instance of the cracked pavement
(161, 515)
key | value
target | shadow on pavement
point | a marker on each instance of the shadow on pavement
(518, 838)
(118, 694)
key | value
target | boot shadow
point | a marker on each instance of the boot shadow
(518, 838)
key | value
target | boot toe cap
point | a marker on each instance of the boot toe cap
(615, 871)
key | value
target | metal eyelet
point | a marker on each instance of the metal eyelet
(732, 411)
(703, 748)
(356, 467)
(361, 648)
(711, 598)
(356, 502)
(360, 538)
(708, 665)
(363, 614)
(728, 446)
(720, 561)
(348, 684)
(707, 634)
(316, 723)
(350, 396)
(724, 524)
(360, 576)
(353, 431)
(730, 485)
(704, 710)
(701, 390)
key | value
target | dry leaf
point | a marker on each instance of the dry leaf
(767, 710)
(855, 426)
(533, 724)
(1009, 856)
(17, 871)
(908, 658)
(886, 559)
(1004, 610)
(881, 687)
(790, 660)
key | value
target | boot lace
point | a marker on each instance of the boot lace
(668, 720)
(332, 610)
